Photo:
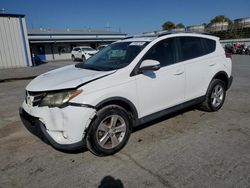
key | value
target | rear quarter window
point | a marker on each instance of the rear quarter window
(209, 45)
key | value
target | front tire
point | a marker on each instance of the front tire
(215, 96)
(73, 58)
(83, 58)
(110, 131)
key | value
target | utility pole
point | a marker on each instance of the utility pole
(108, 27)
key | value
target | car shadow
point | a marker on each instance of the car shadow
(110, 182)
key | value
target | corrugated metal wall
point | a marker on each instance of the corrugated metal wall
(14, 45)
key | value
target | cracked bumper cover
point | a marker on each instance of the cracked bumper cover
(63, 128)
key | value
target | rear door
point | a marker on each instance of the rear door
(195, 54)
(161, 89)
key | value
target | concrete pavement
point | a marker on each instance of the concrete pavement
(188, 149)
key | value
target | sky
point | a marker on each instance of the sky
(127, 16)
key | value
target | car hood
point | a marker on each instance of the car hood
(64, 78)
(91, 52)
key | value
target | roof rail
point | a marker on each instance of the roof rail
(162, 33)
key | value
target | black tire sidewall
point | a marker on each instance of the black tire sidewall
(92, 141)
(211, 88)
(73, 58)
(83, 58)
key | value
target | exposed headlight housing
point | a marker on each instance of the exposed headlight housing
(59, 99)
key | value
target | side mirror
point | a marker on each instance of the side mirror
(149, 65)
(79, 50)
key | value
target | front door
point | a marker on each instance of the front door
(158, 90)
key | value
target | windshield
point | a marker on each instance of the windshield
(114, 56)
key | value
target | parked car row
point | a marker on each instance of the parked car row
(237, 48)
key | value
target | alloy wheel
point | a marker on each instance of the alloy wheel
(111, 131)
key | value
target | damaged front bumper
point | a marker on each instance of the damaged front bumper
(63, 128)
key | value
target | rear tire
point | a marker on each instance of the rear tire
(215, 96)
(109, 132)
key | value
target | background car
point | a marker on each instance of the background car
(82, 53)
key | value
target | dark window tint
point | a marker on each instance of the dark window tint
(76, 49)
(209, 45)
(191, 47)
(163, 51)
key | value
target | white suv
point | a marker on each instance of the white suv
(82, 53)
(130, 82)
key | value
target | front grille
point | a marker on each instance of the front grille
(34, 98)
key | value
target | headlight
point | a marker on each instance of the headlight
(58, 99)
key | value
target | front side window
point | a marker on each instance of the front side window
(164, 52)
(87, 49)
(114, 56)
(191, 47)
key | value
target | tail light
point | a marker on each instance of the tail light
(228, 55)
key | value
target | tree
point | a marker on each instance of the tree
(179, 26)
(168, 25)
(221, 18)
(205, 25)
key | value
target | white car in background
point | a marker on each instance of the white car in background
(82, 53)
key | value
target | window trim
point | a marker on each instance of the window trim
(205, 45)
(180, 49)
(136, 71)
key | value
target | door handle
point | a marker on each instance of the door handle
(212, 64)
(179, 72)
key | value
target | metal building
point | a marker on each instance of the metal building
(222, 26)
(242, 23)
(196, 28)
(56, 44)
(14, 44)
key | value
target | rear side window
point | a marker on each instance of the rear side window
(209, 45)
(164, 52)
(191, 47)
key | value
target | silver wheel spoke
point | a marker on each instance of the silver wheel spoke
(113, 121)
(214, 101)
(120, 128)
(104, 139)
(103, 127)
(114, 140)
(220, 91)
(216, 88)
